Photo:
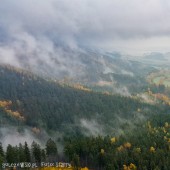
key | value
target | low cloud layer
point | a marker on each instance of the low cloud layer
(11, 136)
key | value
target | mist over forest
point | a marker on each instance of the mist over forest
(85, 84)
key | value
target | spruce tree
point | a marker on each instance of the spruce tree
(11, 156)
(36, 151)
(27, 153)
(1, 154)
(51, 150)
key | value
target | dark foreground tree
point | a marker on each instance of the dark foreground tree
(27, 153)
(51, 150)
(11, 154)
(36, 152)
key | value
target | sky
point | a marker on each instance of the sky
(130, 27)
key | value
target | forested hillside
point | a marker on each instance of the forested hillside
(147, 147)
(100, 131)
(39, 103)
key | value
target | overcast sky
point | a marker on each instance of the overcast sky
(127, 26)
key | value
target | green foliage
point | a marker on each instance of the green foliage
(51, 150)
(36, 151)
(146, 147)
(27, 153)
(46, 104)
(11, 154)
(21, 153)
(1, 154)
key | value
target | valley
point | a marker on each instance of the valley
(89, 125)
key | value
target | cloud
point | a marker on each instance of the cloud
(91, 127)
(110, 24)
(11, 136)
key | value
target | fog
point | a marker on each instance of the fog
(32, 29)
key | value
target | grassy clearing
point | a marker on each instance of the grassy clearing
(160, 78)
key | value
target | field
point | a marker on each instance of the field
(160, 78)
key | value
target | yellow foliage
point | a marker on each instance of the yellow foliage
(102, 151)
(127, 145)
(166, 125)
(130, 167)
(120, 148)
(165, 138)
(133, 166)
(113, 140)
(6, 105)
(138, 150)
(81, 87)
(126, 167)
(85, 168)
(152, 149)
(15, 114)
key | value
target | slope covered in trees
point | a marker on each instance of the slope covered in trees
(143, 143)
(46, 104)
(146, 147)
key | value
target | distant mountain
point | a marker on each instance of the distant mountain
(156, 56)
(94, 68)
(155, 59)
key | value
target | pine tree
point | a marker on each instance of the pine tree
(11, 154)
(21, 154)
(43, 155)
(27, 153)
(1, 154)
(1, 150)
(76, 161)
(51, 150)
(36, 151)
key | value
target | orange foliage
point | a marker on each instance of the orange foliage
(152, 149)
(5, 105)
(161, 97)
(36, 130)
(81, 87)
(130, 167)
(127, 145)
(15, 114)
(120, 148)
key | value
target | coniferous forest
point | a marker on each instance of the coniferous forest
(147, 147)
(84, 85)
(28, 101)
